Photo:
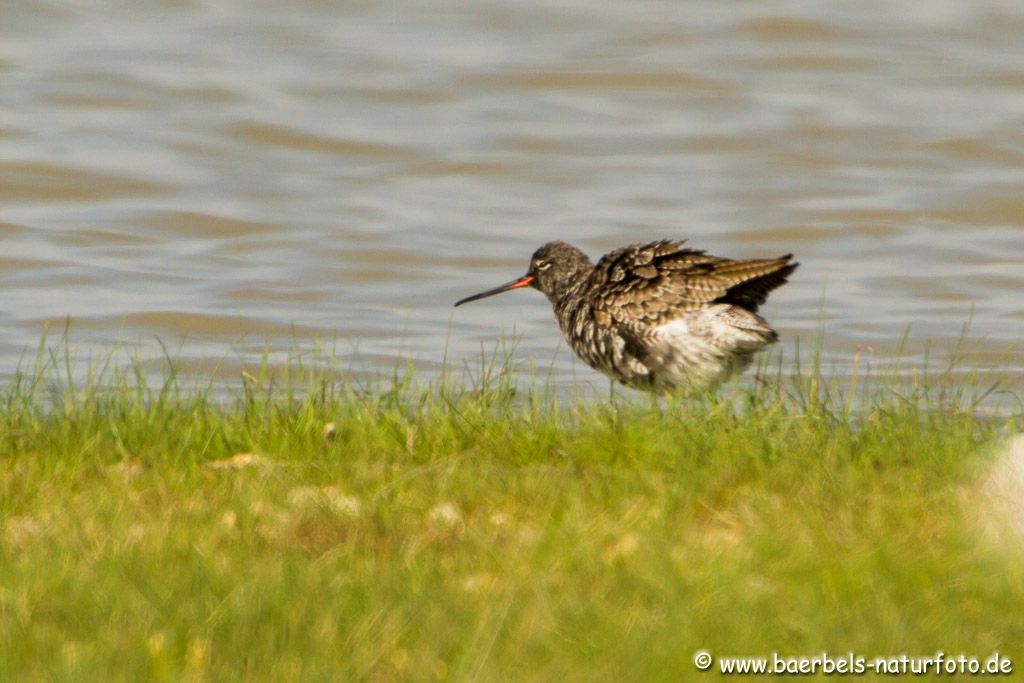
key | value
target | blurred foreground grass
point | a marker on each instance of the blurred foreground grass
(301, 529)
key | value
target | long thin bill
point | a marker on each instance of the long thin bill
(524, 281)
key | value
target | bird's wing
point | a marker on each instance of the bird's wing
(649, 284)
(755, 280)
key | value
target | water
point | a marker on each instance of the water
(231, 177)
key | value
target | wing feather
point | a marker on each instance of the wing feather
(650, 283)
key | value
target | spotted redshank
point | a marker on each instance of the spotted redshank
(657, 316)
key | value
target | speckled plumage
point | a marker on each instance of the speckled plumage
(657, 316)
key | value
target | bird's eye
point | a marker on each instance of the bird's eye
(543, 265)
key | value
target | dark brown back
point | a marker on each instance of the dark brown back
(650, 284)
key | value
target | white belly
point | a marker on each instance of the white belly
(705, 347)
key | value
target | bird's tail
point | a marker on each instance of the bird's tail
(748, 332)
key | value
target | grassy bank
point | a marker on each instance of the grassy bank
(438, 532)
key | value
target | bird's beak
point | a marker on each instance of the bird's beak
(524, 281)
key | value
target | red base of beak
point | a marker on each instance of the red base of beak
(524, 281)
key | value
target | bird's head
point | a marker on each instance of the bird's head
(554, 269)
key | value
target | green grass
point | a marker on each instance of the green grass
(487, 534)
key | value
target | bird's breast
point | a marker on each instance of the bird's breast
(598, 342)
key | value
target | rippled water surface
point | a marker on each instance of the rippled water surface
(230, 176)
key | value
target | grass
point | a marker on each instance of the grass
(300, 528)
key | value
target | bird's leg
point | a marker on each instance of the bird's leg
(613, 403)
(655, 401)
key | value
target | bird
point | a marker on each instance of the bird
(657, 316)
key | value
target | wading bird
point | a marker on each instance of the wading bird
(657, 316)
